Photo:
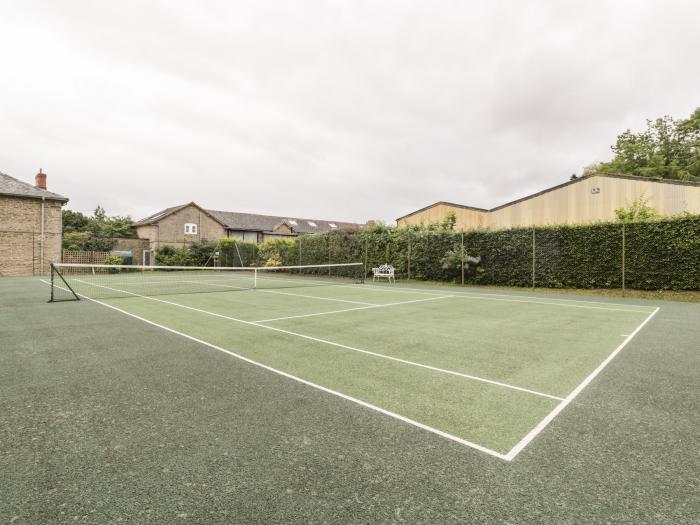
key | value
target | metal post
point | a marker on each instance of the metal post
(366, 248)
(409, 255)
(461, 258)
(533, 256)
(623, 257)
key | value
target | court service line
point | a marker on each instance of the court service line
(568, 399)
(316, 297)
(511, 299)
(355, 400)
(353, 309)
(338, 345)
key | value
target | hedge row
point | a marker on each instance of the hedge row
(656, 255)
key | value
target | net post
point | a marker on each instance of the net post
(51, 270)
(623, 256)
(533, 255)
(461, 259)
(255, 277)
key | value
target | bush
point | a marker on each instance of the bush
(661, 254)
(172, 256)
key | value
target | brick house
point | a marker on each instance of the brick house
(184, 224)
(31, 226)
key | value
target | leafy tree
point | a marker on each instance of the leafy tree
(97, 233)
(668, 149)
(639, 210)
(449, 222)
(74, 221)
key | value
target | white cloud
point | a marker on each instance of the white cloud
(337, 110)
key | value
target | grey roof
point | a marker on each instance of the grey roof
(254, 222)
(159, 215)
(17, 188)
(267, 223)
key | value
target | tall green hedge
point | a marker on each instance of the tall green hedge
(657, 255)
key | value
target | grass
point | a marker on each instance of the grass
(105, 416)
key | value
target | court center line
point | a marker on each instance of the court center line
(316, 297)
(568, 399)
(355, 400)
(353, 309)
(338, 345)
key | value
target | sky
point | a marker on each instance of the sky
(341, 110)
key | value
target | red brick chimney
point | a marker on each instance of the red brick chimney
(40, 180)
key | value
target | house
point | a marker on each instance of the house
(184, 224)
(31, 226)
(583, 200)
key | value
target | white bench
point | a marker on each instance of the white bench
(385, 271)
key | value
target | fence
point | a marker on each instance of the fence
(641, 255)
(84, 257)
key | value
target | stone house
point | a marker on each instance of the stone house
(31, 226)
(184, 224)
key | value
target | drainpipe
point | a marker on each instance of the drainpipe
(41, 240)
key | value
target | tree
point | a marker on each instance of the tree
(96, 233)
(74, 221)
(668, 149)
(449, 222)
(639, 210)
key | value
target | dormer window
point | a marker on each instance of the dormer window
(190, 228)
(332, 225)
(311, 223)
(292, 222)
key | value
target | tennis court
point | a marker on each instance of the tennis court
(488, 371)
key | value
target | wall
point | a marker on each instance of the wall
(20, 235)
(171, 229)
(576, 204)
(135, 246)
(571, 204)
(467, 219)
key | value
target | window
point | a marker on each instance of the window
(332, 225)
(190, 228)
(292, 222)
(250, 236)
(311, 223)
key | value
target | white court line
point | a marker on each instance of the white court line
(352, 309)
(507, 457)
(316, 297)
(495, 297)
(338, 345)
(568, 399)
(365, 404)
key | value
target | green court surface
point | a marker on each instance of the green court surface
(395, 380)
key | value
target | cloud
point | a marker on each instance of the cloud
(339, 110)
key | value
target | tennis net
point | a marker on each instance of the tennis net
(70, 282)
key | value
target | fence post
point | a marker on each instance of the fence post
(533, 256)
(366, 248)
(408, 265)
(330, 240)
(462, 258)
(623, 256)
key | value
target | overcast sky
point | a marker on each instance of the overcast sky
(345, 110)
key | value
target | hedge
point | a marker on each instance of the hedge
(654, 255)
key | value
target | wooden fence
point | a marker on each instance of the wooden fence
(74, 256)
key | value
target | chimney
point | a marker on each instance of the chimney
(40, 180)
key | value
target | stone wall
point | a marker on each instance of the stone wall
(20, 235)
